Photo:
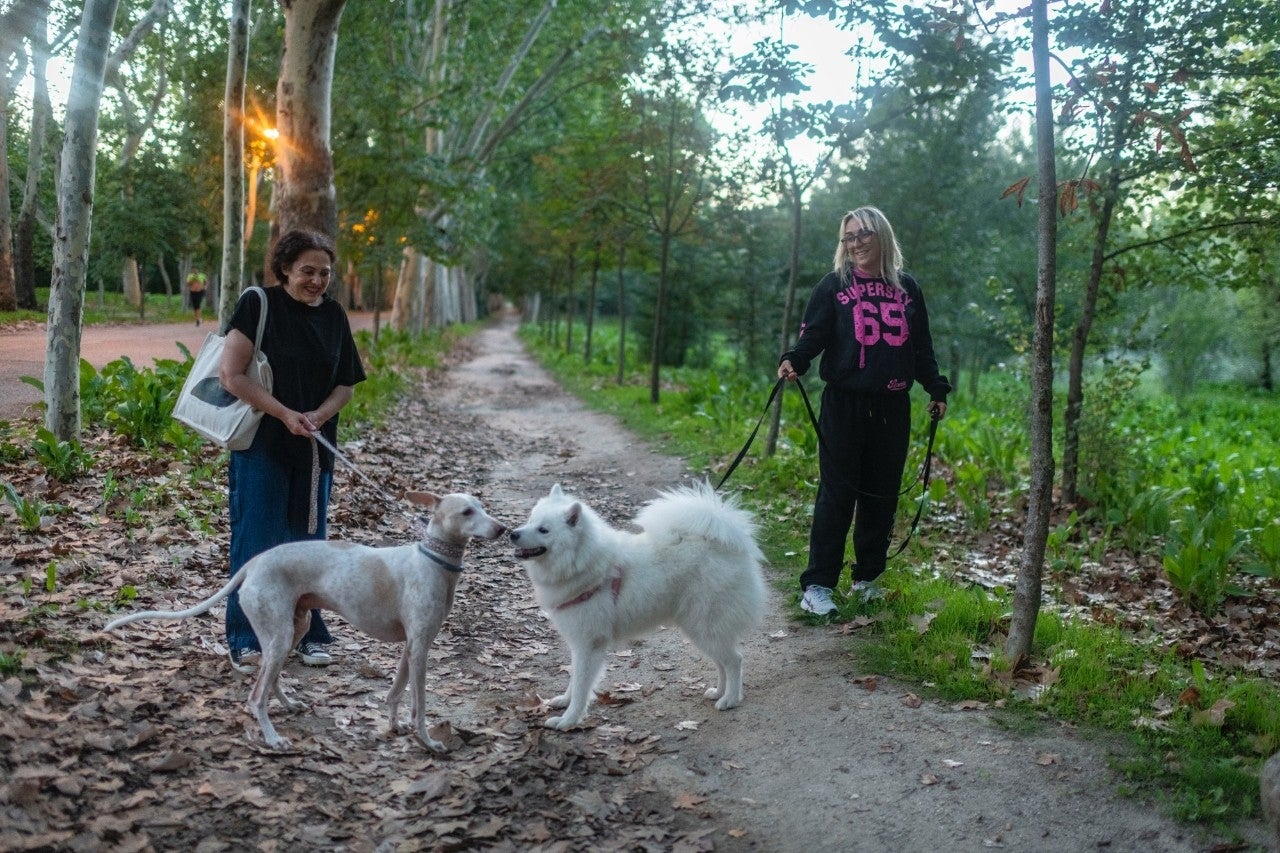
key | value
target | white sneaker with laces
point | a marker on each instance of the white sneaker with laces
(817, 600)
(866, 591)
(313, 654)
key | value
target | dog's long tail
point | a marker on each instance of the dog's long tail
(203, 607)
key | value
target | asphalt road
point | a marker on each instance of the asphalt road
(22, 352)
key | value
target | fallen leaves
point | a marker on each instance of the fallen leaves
(139, 739)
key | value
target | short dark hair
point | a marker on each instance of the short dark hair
(294, 243)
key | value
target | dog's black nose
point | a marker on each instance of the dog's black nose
(515, 536)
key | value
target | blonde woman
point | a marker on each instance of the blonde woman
(867, 319)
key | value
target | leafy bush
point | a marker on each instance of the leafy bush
(1198, 555)
(140, 402)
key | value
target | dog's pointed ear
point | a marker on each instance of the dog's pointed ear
(556, 492)
(426, 499)
(574, 514)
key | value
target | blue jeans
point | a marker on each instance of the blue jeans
(258, 499)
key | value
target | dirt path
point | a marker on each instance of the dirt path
(140, 740)
(813, 759)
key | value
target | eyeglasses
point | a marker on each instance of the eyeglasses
(860, 234)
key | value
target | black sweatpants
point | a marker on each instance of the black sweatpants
(860, 460)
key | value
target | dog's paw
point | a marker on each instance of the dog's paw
(280, 744)
(727, 702)
(713, 693)
(561, 701)
(399, 728)
(562, 724)
(295, 705)
(433, 744)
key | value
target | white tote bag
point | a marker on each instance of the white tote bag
(213, 411)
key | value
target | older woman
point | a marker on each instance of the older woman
(279, 485)
(868, 320)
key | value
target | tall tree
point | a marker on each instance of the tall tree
(75, 221)
(1146, 75)
(306, 196)
(24, 264)
(233, 191)
(17, 23)
(1035, 534)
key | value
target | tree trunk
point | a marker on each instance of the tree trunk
(8, 296)
(306, 196)
(591, 302)
(1080, 342)
(655, 345)
(622, 311)
(24, 262)
(233, 237)
(130, 284)
(1026, 599)
(569, 300)
(402, 298)
(75, 220)
(788, 312)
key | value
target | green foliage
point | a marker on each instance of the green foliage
(64, 460)
(30, 511)
(1198, 556)
(10, 663)
(139, 403)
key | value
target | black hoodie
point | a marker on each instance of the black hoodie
(874, 337)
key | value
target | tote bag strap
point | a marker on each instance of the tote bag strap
(262, 317)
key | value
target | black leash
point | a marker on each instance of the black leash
(924, 492)
(813, 419)
(773, 395)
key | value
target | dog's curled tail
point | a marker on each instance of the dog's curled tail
(203, 607)
(698, 510)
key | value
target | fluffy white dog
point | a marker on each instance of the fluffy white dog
(695, 564)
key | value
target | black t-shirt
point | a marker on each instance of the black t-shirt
(311, 352)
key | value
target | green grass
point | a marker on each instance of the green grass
(947, 635)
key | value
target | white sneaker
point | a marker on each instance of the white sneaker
(866, 591)
(817, 600)
(313, 654)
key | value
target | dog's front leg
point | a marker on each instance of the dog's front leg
(417, 653)
(584, 670)
(397, 690)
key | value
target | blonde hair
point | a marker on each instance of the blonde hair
(890, 251)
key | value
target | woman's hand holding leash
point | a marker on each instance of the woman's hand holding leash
(937, 410)
(787, 372)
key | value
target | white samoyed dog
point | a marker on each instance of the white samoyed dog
(695, 564)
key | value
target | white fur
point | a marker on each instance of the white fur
(392, 594)
(695, 564)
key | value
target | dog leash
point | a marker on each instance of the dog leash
(777, 388)
(418, 523)
(925, 469)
